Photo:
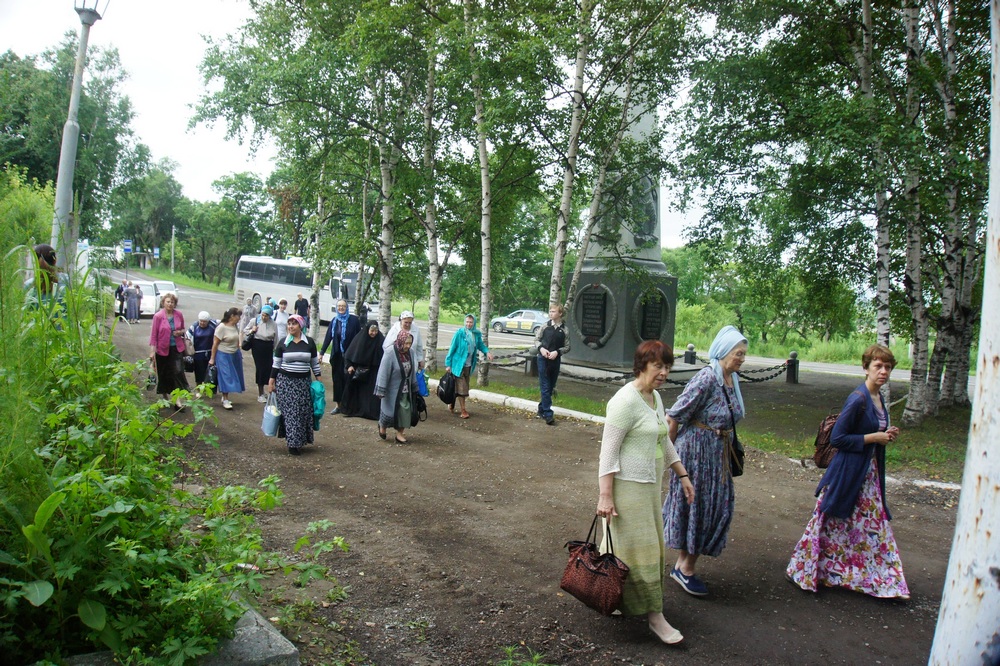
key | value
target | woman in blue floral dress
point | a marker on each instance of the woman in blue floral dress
(848, 541)
(701, 427)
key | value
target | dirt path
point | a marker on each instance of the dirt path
(457, 546)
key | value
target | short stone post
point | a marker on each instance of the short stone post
(792, 373)
(531, 365)
(690, 357)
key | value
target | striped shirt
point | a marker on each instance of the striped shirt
(296, 359)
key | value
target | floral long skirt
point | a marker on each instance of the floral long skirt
(295, 402)
(858, 553)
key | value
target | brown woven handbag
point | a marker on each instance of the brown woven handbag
(595, 579)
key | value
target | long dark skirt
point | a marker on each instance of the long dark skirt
(359, 397)
(263, 358)
(295, 403)
(170, 372)
(340, 376)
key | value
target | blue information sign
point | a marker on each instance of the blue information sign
(128, 247)
(156, 253)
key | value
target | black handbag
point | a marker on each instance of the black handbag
(212, 376)
(360, 375)
(446, 388)
(418, 412)
(595, 579)
(247, 342)
(736, 454)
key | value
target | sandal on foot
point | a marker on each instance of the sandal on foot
(465, 415)
(400, 441)
(381, 433)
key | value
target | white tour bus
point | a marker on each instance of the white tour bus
(258, 278)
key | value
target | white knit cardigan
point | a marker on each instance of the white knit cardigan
(631, 429)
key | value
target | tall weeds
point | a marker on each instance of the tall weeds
(98, 546)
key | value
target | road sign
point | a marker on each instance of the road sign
(128, 247)
(156, 252)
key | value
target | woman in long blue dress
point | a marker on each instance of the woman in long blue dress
(701, 427)
(133, 296)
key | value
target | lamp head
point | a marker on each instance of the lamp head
(90, 11)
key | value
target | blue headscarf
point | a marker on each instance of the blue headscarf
(725, 341)
(342, 320)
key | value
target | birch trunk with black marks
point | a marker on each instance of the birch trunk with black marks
(486, 213)
(430, 212)
(913, 284)
(864, 58)
(967, 627)
(583, 39)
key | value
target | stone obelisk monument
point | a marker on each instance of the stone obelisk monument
(625, 294)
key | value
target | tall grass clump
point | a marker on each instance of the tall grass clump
(99, 546)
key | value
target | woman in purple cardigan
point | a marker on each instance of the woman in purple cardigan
(848, 542)
(166, 340)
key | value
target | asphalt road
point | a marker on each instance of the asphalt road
(191, 301)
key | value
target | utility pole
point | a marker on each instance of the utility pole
(968, 627)
(64, 232)
(173, 239)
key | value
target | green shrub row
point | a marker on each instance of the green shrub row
(101, 546)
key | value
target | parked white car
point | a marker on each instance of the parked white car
(150, 297)
(166, 285)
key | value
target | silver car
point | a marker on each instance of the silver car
(520, 321)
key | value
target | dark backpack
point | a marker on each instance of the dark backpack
(446, 388)
(824, 449)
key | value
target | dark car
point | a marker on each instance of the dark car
(520, 321)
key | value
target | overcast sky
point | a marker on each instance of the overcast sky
(161, 46)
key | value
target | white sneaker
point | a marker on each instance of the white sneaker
(226, 404)
(261, 398)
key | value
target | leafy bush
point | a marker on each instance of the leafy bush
(100, 546)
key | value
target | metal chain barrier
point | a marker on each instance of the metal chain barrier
(753, 380)
(745, 375)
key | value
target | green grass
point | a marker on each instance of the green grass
(933, 450)
(182, 280)
(564, 400)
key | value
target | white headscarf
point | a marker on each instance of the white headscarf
(725, 341)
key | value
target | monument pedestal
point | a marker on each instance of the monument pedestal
(613, 313)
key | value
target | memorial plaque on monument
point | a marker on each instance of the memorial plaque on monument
(654, 313)
(593, 319)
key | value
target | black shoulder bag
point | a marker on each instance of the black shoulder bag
(736, 453)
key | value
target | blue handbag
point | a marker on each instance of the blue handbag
(422, 384)
(272, 416)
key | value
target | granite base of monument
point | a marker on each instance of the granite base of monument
(613, 312)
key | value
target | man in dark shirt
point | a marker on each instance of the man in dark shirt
(302, 308)
(120, 297)
(551, 343)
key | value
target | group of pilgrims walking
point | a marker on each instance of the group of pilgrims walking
(848, 541)
(373, 375)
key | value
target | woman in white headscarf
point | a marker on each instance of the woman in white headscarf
(701, 425)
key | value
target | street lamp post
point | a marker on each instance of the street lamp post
(64, 233)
